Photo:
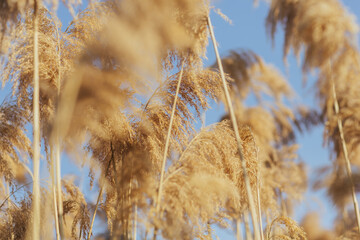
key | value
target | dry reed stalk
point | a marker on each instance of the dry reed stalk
(96, 207)
(7, 193)
(259, 210)
(237, 135)
(58, 185)
(345, 151)
(248, 235)
(258, 192)
(56, 215)
(167, 143)
(168, 140)
(58, 190)
(238, 229)
(36, 131)
(258, 177)
(53, 187)
(100, 194)
(57, 146)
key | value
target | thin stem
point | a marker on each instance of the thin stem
(7, 191)
(53, 188)
(180, 159)
(57, 145)
(167, 143)
(135, 213)
(248, 235)
(260, 220)
(238, 229)
(258, 188)
(187, 147)
(58, 185)
(166, 149)
(56, 215)
(13, 192)
(258, 185)
(36, 130)
(172, 174)
(345, 151)
(100, 193)
(152, 95)
(96, 207)
(237, 135)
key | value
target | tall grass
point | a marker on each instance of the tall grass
(120, 91)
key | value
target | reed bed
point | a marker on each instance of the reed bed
(120, 90)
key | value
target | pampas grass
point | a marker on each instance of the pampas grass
(326, 31)
(120, 91)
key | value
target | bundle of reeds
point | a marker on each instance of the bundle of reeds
(120, 91)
